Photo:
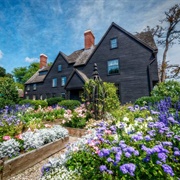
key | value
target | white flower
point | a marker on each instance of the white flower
(149, 118)
(126, 119)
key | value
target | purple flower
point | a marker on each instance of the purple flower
(115, 149)
(110, 160)
(152, 133)
(103, 168)
(177, 153)
(109, 172)
(166, 143)
(118, 157)
(147, 138)
(128, 168)
(137, 137)
(127, 154)
(167, 169)
(147, 159)
(158, 162)
(136, 153)
(177, 137)
(162, 156)
(104, 153)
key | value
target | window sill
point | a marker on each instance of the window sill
(113, 74)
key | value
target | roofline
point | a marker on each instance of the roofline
(121, 29)
(71, 75)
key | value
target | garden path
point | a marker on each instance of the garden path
(34, 173)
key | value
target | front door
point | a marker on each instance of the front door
(76, 94)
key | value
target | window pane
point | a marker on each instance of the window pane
(63, 81)
(34, 86)
(54, 82)
(114, 43)
(113, 66)
(59, 67)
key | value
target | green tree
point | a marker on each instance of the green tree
(19, 74)
(2, 72)
(8, 90)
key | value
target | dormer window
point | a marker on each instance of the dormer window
(59, 68)
(113, 43)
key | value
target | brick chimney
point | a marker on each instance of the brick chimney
(88, 39)
(43, 61)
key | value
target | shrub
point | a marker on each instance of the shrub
(167, 89)
(69, 104)
(6, 102)
(35, 103)
(145, 100)
(54, 100)
(100, 97)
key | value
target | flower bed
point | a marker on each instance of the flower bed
(45, 142)
(142, 143)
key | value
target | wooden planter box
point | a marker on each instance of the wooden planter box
(75, 131)
(18, 164)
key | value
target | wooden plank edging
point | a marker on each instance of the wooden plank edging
(18, 164)
(75, 131)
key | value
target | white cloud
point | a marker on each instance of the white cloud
(1, 54)
(30, 60)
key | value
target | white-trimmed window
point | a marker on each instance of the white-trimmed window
(113, 43)
(54, 82)
(34, 97)
(113, 66)
(28, 87)
(34, 87)
(59, 68)
(63, 81)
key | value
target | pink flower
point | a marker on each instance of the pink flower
(6, 138)
(47, 125)
(18, 136)
(107, 131)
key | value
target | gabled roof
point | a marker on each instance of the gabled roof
(147, 38)
(80, 74)
(36, 78)
(81, 57)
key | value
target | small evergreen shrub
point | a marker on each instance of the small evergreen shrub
(54, 100)
(69, 104)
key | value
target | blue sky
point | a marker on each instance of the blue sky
(31, 27)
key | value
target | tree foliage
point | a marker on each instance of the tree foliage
(22, 74)
(168, 34)
(8, 90)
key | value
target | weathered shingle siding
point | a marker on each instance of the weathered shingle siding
(134, 59)
(76, 83)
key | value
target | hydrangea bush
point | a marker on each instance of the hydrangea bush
(142, 143)
(31, 140)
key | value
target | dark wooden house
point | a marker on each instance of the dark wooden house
(129, 61)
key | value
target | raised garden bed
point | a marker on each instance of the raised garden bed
(76, 132)
(14, 166)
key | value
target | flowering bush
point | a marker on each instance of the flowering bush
(31, 140)
(76, 118)
(143, 143)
